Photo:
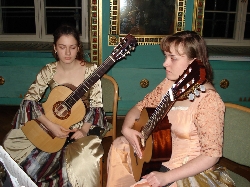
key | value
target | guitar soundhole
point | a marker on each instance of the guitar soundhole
(61, 111)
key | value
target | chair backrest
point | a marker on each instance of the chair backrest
(110, 101)
(237, 134)
(17, 175)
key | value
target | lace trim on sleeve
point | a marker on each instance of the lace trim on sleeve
(210, 122)
(43, 78)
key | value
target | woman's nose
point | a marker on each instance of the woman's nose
(165, 63)
(67, 51)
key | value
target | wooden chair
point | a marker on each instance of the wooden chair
(110, 102)
(237, 143)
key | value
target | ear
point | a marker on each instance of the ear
(54, 47)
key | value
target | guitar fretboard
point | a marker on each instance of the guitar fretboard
(162, 109)
(88, 83)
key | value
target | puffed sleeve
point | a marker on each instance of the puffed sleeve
(96, 90)
(96, 95)
(209, 121)
(38, 87)
(30, 108)
(95, 113)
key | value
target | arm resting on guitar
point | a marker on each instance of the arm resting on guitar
(29, 110)
(81, 132)
(56, 129)
(130, 134)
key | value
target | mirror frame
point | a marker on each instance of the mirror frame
(114, 36)
(198, 16)
(95, 31)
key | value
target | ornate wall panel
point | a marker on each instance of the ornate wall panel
(198, 16)
(95, 31)
(120, 14)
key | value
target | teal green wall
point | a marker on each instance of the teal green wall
(144, 63)
(189, 15)
(143, 53)
(131, 70)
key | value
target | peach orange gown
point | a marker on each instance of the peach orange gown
(195, 130)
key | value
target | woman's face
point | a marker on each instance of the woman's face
(67, 48)
(175, 63)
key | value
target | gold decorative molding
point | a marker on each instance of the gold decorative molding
(114, 36)
(144, 83)
(2, 80)
(224, 83)
(95, 31)
(198, 16)
(181, 14)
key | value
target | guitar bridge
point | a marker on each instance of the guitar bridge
(45, 129)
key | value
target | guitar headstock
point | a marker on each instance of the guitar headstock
(126, 45)
(190, 82)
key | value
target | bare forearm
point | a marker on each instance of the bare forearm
(193, 167)
(132, 115)
(85, 128)
(45, 121)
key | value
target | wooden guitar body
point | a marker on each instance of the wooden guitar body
(158, 145)
(65, 107)
(42, 139)
(161, 138)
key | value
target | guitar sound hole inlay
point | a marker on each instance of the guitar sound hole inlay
(61, 111)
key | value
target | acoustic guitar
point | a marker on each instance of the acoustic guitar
(65, 107)
(188, 85)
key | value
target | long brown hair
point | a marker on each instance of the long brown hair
(68, 30)
(194, 46)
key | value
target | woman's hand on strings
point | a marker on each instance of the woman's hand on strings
(59, 131)
(133, 137)
(56, 129)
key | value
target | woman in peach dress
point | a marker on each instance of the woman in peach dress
(197, 126)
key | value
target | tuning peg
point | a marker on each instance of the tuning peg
(191, 96)
(202, 88)
(197, 93)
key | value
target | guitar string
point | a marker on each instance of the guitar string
(166, 103)
(86, 83)
(157, 115)
(195, 68)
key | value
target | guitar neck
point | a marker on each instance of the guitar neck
(161, 110)
(88, 82)
(187, 83)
